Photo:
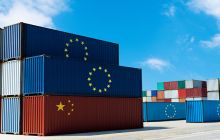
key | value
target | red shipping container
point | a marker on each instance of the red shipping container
(182, 93)
(153, 99)
(48, 115)
(174, 85)
(196, 92)
(164, 100)
(167, 85)
(160, 94)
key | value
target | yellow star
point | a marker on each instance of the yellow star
(85, 48)
(77, 39)
(87, 53)
(90, 73)
(100, 91)
(82, 43)
(90, 84)
(94, 69)
(67, 55)
(72, 104)
(68, 114)
(100, 68)
(66, 50)
(71, 40)
(67, 44)
(105, 70)
(108, 86)
(109, 75)
(105, 89)
(85, 59)
(69, 101)
(60, 106)
(72, 110)
(94, 89)
(110, 81)
(89, 79)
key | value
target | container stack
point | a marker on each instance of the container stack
(149, 96)
(66, 83)
(1, 43)
(213, 89)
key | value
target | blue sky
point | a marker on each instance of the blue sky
(168, 39)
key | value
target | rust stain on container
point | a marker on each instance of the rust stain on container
(48, 115)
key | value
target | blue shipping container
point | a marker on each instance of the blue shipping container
(154, 93)
(163, 111)
(202, 111)
(144, 108)
(1, 43)
(24, 40)
(11, 115)
(46, 75)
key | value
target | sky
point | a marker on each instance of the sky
(168, 39)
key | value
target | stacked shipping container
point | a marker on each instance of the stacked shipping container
(60, 81)
(213, 89)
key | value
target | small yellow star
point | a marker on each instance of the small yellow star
(77, 39)
(60, 107)
(67, 44)
(87, 53)
(110, 81)
(69, 101)
(109, 75)
(85, 48)
(90, 73)
(108, 86)
(71, 40)
(85, 59)
(105, 89)
(68, 114)
(100, 91)
(66, 50)
(100, 68)
(89, 79)
(82, 43)
(94, 69)
(94, 89)
(90, 84)
(67, 55)
(72, 110)
(72, 104)
(105, 70)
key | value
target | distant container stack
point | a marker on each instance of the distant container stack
(70, 77)
(213, 89)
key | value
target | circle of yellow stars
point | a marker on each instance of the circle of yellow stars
(91, 84)
(170, 116)
(82, 43)
(60, 107)
(218, 110)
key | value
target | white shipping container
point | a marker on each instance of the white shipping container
(213, 95)
(168, 94)
(199, 98)
(11, 78)
(193, 84)
(174, 94)
(213, 84)
(148, 93)
(144, 99)
(175, 100)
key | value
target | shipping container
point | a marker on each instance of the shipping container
(182, 100)
(11, 78)
(149, 93)
(175, 100)
(213, 95)
(196, 92)
(171, 85)
(149, 99)
(171, 94)
(154, 93)
(1, 43)
(202, 111)
(11, 115)
(182, 93)
(144, 112)
(160, 85)
(181, 84)
(161, 111)
(144, 93)
(144, 99)
(195, 84)
(48, 115)
(160, 94)
(25, 40)
(154, 99)
(163, 100)
(57, 77)
(199, 98)
(213, 84)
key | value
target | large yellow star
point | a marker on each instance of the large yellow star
(60, 107)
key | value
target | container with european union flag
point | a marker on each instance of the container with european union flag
(49, 115)
(202, 111)
(161, 111)
(25, 40)
(53, 76)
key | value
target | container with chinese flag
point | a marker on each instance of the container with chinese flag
(49, 115)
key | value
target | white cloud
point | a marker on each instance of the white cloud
(192, 39)
(156, 64)
(38, 12)
(170, 11)
(213, 43)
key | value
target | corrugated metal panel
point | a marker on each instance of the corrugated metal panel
(11, 115)
(213, 84)
(11, 78)
(58, 77)
(213, 95)
(47, 115)
(149, 93)
(165, 111)
(160, 86)
(23, 40)
(196, 92)
(144, 108)
(203, 111)
(154, 93)
(12, 42)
